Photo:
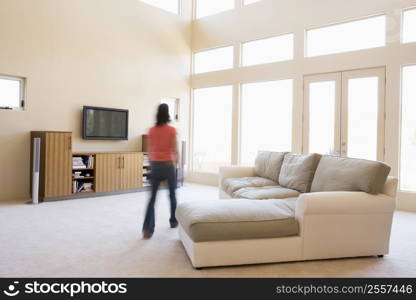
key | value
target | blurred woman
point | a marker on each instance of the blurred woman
(163, 155)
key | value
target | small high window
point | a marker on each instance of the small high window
(350, 36)
(11, 92)
(278, 48)
(246, 2)
(409, 26)
(172, 6)
(210, 7)
(214, 60)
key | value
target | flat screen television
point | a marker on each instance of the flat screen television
(101, 123)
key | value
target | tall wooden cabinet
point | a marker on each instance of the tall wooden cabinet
(55, 163)
(109, 172)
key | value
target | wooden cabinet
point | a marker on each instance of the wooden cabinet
(55, 163)
(118, 171)
(108, 172)
(131, 171)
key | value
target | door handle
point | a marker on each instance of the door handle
(124, 161)
(70, 143)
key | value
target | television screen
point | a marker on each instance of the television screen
(105, 123)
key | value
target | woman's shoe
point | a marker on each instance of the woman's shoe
(147, 234)
(173, 224)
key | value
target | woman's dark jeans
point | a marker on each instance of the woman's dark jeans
(160, 171)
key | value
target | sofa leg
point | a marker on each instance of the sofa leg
(380, 256)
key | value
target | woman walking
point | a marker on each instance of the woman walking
(163, 155)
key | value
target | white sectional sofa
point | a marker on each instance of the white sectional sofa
(333, 208)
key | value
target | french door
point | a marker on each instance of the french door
(344, 114)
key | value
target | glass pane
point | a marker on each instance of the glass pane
(269, 50)
(355, 35)
(168, 5)
(363, 117)
(209, 7)
(409, 26)
(408, 131)
(322, 97)
(214, 60)
(9, 93)
(266, 118)
(212, 128)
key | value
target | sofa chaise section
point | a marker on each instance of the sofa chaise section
(238, 219)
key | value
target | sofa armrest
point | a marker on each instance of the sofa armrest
(236, 172)
(390, 187)
(343, 203)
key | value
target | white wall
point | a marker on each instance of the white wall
(273, 17)
(111, 53)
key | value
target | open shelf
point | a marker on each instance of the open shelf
(83, 177)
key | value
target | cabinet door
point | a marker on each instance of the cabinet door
(58, 164)
(108, 172)
(131, 171)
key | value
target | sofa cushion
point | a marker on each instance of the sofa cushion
(268, 164)
(350, 174)
(298, 170)
(237, 219)
(230, 185)
(265, 192)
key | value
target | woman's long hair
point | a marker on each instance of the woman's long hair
(162, 116)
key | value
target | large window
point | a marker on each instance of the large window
(214, 60)
(355, 35)
(408, 131)
(409, 26)
(210, 7)
(172, 6)
(11, 92)
(266, 118)
(212, 120)
(269, 50)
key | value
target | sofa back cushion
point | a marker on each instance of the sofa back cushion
(298, 170)
(350, 174)
(268, 164)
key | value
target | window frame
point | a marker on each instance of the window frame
(211, 49)
(350, 20)
(22, 92)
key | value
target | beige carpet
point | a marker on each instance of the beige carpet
(100, 237)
